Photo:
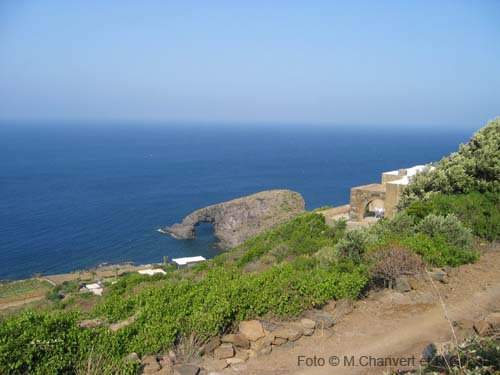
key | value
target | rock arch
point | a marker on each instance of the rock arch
(239, 219)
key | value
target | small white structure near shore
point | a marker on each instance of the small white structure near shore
(95, 288)
(188, 261)
(152, 272)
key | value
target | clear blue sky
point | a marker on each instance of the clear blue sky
(351, 62)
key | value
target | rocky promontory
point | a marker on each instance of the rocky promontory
(239, 219)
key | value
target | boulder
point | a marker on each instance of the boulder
(213, 365)
(279, 341)
(224, 351)
(290, 334)
(166, 363)
(237, 339)
(321, 319)
(252, 330)
(211, 345)
(150, 364)
(243, 354)
(308, 323)
(402, 284)
(482, 328)
(187, 370)
(308, 331)
(132, 357)
(342, 308)
(234, 361)
(262, 342)
(439, 275)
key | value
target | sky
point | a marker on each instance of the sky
(394, 63)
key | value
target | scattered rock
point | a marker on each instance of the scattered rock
(321, 319)
(342, 308)
(224, 351)
(243, 354)
(234, 361)
(187, 370)
(396, 298)
(308, 331)
(132, 357)
(262, 342)
(214, 364)
(279, 341)
(437, 349)
(290, 334)
(330, 306)
(150, 364)
(116, 326)
(402, 284)
(308, 323)
(252, 330)
(91, 323)
(237, 339)
(166, 363)
(439, 275)
(211, 345)
(482, 327)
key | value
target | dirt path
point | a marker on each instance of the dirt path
(390, 324)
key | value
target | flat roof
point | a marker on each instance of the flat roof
(186, 260)
(152, 271)
(371, 187)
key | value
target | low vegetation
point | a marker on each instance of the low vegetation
(281, 273)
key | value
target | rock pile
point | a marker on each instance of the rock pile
(253, 338)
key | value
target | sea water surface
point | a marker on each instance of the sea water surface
(77, 195)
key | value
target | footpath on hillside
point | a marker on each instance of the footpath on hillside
(388, 324)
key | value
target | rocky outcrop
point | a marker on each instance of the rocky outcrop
(239, 219)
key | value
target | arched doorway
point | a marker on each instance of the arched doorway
(375, 208)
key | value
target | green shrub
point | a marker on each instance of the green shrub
(352, 245)
(475, 167)
(437, 252)
(479, 212)
(390, 229)
(454, 233)
(304, 234)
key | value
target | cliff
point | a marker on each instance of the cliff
(239, 219)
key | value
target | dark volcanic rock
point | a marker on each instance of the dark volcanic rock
(239, 219)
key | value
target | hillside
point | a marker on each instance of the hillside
(291, 271)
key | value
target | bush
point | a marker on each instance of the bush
(449, 228)
(436, 252)
(479, 212)
(475, 167)
(304, 234)
(475, 356)
(353, 245)
(41, 343)
(390, 263)
(389, 229)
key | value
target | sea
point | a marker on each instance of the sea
(73, 196)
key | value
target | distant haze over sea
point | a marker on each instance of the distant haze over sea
(72, 197)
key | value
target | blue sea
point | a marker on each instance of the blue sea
(73, 196)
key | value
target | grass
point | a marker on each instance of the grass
(17, 288)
